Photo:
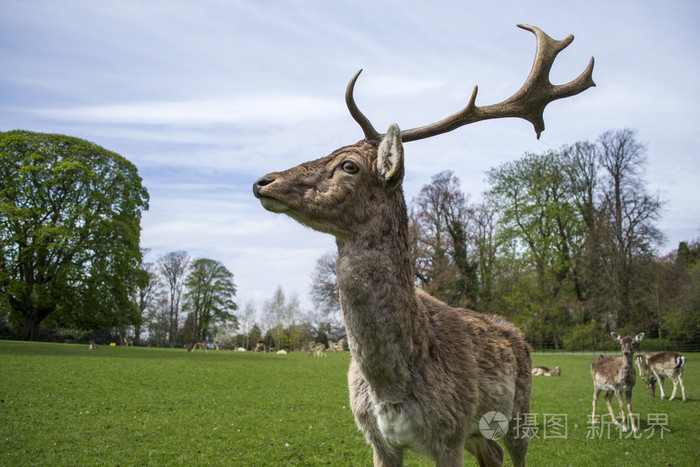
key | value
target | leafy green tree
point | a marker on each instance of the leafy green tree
(209, 295)
(70, 214)
(534, 199)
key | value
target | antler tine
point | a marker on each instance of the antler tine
(528, 103)
(370, 133)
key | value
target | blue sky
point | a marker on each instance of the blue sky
(207, 96)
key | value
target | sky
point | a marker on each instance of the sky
(205, 97)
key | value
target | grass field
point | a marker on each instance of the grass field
(62, 404)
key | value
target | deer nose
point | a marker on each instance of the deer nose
(262, 182)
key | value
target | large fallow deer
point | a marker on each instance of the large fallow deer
(663, 365)
(422, 374)
(615, 375)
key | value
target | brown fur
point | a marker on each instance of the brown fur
(615, 375)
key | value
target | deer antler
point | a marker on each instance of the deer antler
(528, 103)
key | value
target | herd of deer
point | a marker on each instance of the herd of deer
(424, 374)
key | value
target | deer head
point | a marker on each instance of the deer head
(356, 186)
(628, 344)
(650, 382)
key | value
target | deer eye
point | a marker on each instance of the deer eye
(350, 167)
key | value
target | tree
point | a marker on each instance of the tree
(209, 295)
(173, 268)
(630, 212)
(146, 294)
(70, 214)
(534, 196)
(324, 285)
(440, 241)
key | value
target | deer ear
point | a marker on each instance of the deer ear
(390, 156)
(615, 336)
(638, 338)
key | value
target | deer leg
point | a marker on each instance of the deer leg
(618, 394)
(680, 380)
(596, 391)
(516, 444)
(487, 451)
(452, 457)
(629, 411)
(385, 456)
(608, 403)
(660, 380)
(675, 387)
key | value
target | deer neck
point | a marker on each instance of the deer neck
(627, 367)
(387, 327)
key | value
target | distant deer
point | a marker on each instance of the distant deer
(660, 366)
(422, 373)
(260, 347)
(318, 350)
(197, 345)
(615, 375)
(128, 342)
(544, 371)
(93, 346)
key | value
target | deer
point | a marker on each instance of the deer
(318, 350)
(544, 371)
(128, 342)
(422, 373)
(660, 366)
(93, 346)
(200, 344)
(616, 375)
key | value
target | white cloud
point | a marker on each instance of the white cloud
(204, 97)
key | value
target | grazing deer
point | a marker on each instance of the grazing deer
(660, 366)
(260, 347)
(93, 346)
(544, 371)
(128, 342)
(422, 373)
(318, 350)
(616, 375)
(197, 345)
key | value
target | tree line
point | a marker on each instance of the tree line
(561, 243)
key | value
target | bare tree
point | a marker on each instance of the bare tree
(442, 262)
(146, 295)
(324, 285)
(630, 212)
(173, 268)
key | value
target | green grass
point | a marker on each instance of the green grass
(62, 404)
